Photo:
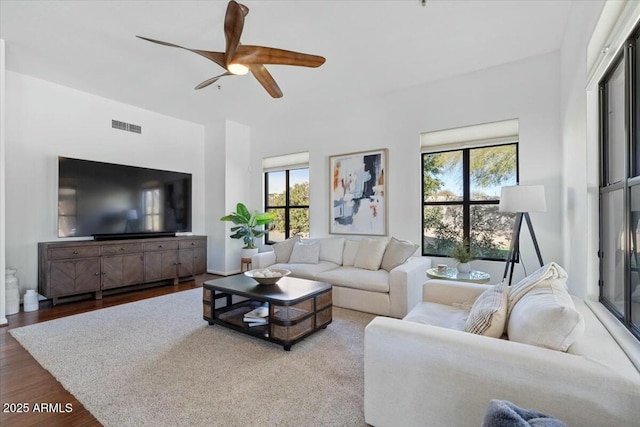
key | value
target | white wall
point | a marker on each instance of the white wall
(45, 120)
(226, 153)
(527, 90)
(3, 298)
(580, 200)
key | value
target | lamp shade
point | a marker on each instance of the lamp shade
(523, 198)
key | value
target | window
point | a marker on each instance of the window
(619, 189)
(287, 194)
(463, 171)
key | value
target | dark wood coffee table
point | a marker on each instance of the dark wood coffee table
(297, 307)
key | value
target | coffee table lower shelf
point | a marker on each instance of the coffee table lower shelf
(286, 324)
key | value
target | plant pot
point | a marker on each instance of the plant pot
(464, 267)
(248, 253)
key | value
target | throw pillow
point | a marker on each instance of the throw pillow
(488, 313)
(551, 271)
(331, 250)
(370, 254)
(546, 317)
(350, 251)
(397, 252)
(305, 253)
(283, 249)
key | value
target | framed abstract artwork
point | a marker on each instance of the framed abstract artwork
(358, 193)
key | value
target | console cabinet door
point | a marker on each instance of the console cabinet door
(122, 270)
(185, 262)
(200, 261)
(74, 276)
(160, 265)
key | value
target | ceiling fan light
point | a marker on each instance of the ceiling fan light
(238, 69)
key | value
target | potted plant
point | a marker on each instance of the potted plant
(463, 255)
(248, 227)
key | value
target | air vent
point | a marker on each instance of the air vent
(126, 126)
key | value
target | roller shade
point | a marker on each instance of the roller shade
(286, 161)
(493, 133)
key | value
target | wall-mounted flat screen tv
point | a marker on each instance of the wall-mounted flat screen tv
(104, 199)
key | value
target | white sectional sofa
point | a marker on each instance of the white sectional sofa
(380, 276)
(426, 370)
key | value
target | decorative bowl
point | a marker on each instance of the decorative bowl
(263, 275)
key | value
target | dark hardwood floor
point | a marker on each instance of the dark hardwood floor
(24, 384)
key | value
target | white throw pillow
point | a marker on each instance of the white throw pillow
(546, 317)
(283, 249)
(370, 254)
(551, 271)
(305, 253)
(350, 251)
(397, 252)
(488, 313)
(331, 250)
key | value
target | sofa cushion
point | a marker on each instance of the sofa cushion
(442, 315)
(305, 253)
(370, 254)
(283, 249)
(488, 313)
(552, 272)
(357, 278)
(350, 251)
(546, 317)
(331, 249)
(307, 271)
(396, 253)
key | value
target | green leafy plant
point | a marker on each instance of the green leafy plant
(248, 224)
(461, 252)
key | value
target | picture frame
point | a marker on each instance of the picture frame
(358, 193)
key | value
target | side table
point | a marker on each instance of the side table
(474, 276)
(245, 262)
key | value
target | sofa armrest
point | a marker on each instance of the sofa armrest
(450, 292)
(417, 375)
(263, 259)
(405, 285)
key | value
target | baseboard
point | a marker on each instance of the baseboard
(223, 273)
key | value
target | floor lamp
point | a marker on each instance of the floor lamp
(521, 199)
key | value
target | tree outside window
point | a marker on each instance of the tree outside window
(461, 193)
(287, 194)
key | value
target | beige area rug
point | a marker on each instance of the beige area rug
(157, 363)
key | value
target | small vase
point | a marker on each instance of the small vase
(12, 291)
(31, 300)
(464, 267)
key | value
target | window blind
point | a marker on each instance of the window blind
(286, 161)
(484, 134)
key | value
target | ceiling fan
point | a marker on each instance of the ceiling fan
(239, 59)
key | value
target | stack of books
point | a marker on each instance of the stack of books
(258, 316)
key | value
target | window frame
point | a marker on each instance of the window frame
(466, 201)
(287, 206)
(628, 59)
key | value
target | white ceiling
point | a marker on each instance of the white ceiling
(372, 47)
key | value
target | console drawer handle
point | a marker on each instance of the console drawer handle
(75, 252)
(159, 246)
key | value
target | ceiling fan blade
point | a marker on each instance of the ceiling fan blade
(217, 57)
(211, 80)
(247, 54)
(266, 80)
(233, 25)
